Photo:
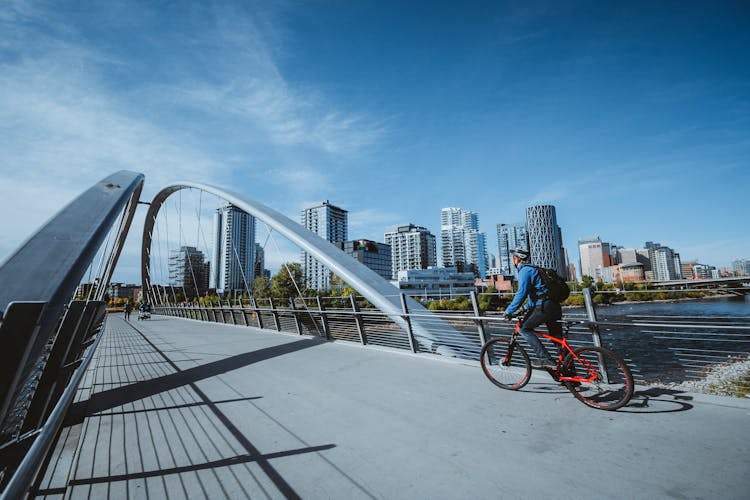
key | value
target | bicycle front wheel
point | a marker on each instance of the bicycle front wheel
(506, 364)
(603, 380)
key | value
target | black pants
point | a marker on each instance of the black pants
(549, 312)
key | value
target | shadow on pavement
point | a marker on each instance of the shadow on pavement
(658, 400)
(113, 398)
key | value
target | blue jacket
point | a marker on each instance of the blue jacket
(529, 285)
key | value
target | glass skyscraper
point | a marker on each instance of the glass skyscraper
(188, 271)
(463, 246)
(330, 223)
(233, 259)
(510, 237)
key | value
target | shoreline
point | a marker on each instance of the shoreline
(663, 301)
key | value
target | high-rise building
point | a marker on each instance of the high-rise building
(188, 271)
(330, 223)
(412, 247)
(463, 246)
(259, 269)
(545, 238)
(677, 266)
(595, 256)
(741, 267)
(510, 237)
(376, 256)
(233, 259)
(663, 262)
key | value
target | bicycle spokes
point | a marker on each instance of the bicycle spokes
(602, 379)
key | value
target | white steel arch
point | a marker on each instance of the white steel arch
(366, 281)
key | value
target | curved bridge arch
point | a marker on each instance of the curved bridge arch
(372, 286)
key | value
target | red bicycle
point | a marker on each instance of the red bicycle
(595, 375)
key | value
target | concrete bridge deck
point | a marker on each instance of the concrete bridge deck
(176, 408)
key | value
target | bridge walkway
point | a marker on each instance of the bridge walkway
(175, 408)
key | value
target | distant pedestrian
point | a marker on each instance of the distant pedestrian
(128, 308)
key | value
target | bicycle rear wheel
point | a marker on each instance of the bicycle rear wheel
(506, 364)
(605, 381)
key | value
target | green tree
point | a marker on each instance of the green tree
(489, 301)
(283, 285)
(261, 287)
(587, 281)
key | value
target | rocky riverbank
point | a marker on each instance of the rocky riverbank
(731, 378)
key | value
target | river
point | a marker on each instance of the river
(690, 335)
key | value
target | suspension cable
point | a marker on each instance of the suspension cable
(291, 276)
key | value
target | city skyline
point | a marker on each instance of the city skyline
(633, 122)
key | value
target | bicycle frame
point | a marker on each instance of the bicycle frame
(592, 370)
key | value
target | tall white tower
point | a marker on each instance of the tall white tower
(330, 223)
(233, 256)
(462, 244)
(412, 247)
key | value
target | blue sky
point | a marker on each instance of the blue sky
(633, 118)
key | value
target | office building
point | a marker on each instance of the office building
(741, 267)
(188, 271)
(545, 238)
(704, 272)
(330, 223)
(412, 247)
(634, 255)
(664, 262)
(686, 270)
(435, 282)
(510, 237)
(259, 270)
(463, 246)
(376, 256)
(595, 255)
(123, 291)
(233, 258)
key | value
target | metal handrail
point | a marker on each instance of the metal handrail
(472, 328)
(28, 469)
(46, 269)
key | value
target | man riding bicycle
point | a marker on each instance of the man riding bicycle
(541, 308)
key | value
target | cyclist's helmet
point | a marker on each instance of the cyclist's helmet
(521, 253)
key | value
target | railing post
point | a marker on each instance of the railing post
(409, 330)
(242, 312)
(478, 319)
(231, 314)
(257, 314)
(275, 315)
(323, 319)
(591, 312)
(358, 320)
(296, 317)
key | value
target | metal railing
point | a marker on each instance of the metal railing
(48, 340)
(658, 349)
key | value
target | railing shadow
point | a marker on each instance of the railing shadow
(119, 396)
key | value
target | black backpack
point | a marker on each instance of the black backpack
(557, 288)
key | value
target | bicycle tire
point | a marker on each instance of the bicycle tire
(596, 393)
(514, 372)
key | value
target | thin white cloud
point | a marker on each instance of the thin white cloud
(63, 126)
